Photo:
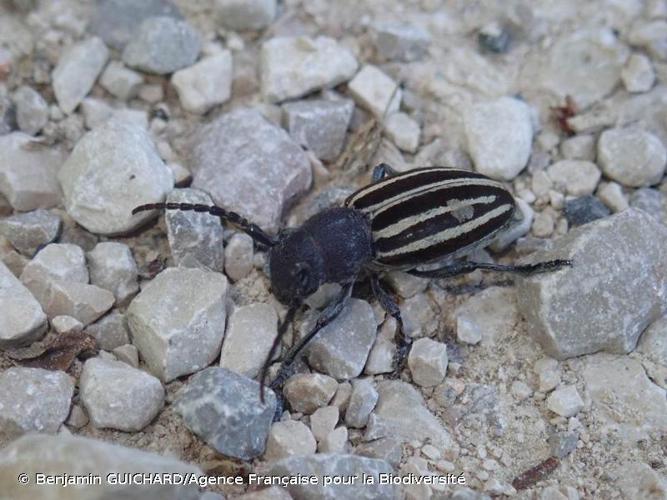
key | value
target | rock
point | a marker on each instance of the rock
(332, 466)
(292, 67)
(113, 268)
(323, 421)
(584, 210)
(162, 45)
(306, 392)
(111, 170)
(639, 480)
(632, 156)
(319, 124)
(28, 232)
(637, 74)
(341, 348)
(519, 226)
(195, 239)
(376, 91)
(250, 166)
(77, 69)
(548, 374)
(77, 417)
(178, 321)
(250, 333)
(639, 407)
(521, 390)
(121, 82)
(565, 401)
(223, 409)
(624, 255)
(128, 354)
(404, 131)
(473, 405)
(111, 331)
(242, 15)
(66, 325)
(387, 449)
(28, 173)
(653, 345)
(611, 194)
(651, 201)
(33, 400)
(650, 35)
(428, 362)
(361, 404)
(78, 456)
(117, 396)
(32, 111)
(81, 301)
(575, 177)
(334, 442)
(115, 21)
(579, 147)
(494, 38)
(544, 224)
(420, 316)
(563, 443)
(288, 438)
(95, 112)
(486, 316)
(401, 414)
(499, 135)
(239, 256)
(205, 84)
(396, 41)
(342, 396)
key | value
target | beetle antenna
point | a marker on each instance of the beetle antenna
(252, 230)
(282, 329)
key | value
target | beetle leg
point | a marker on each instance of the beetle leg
(466, 267)
(282, 329)
(381, 171)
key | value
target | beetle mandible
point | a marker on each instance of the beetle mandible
(399, 221)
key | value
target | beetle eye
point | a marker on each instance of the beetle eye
(303, 277)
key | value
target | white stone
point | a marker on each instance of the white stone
(117, 396)
(111, 170)
(521, 390)
(113, 268)
(486, 316)
(323, 421)
(244, 15)
(400, 41)
(651, 36)
(66, 324)
(82, 301)
(76, 72)
(178, 321)
(579, 147)
(575, 177)
(127, 353)
(238, 256)
(306, 392)
(295, 66)
(362, 401)
(543, 224)
(205, 84)
(632, 156)
(637, 74)
(250, 333)
(499, 135)
(22, 319)
(288, 438)
(404, 131)
(565, 401)
(32, 111)
(374, 90)
(95, 112)
(428, 362)
(121, 82)
(611, 194)
(653, 345)
(334, 442)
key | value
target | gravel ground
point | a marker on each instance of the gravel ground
(133, 343)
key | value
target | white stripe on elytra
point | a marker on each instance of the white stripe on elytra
(447, 234)
(451, 206)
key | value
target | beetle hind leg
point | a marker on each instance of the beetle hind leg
(458, 268)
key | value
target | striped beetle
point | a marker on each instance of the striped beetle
(399, 221)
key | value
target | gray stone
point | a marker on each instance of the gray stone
(341, 348)
(113, 268)
(584, 209)
(387, 449)
(127, 353)
(33, 399)
(653, 345)
(95, 112)
(650, 35)
(575, 177)
(611, 194)
(638, 74)
(334, 442)
(81, 301)
(404, 131)
(376, 91)
(639, 480)
(28, 232)
(241, 15)
(162, 45)
(396, 41)
(548, 374)
(223, 409)
(622, 256)
(319, 124)
(78, 456)
(565, 401)
(401, 414)
(420, 315)
(475, 406)
(22, 320)
(28, 173)
(362, 401)
(205, 84)
(486, 316)
(195, 239)
(239, 256)
(66, 324)
(250, 333)
(306, 392)
(334, 465)
(117, 396)
(499, 135)
(76, 72)
(110, 332)
(632, 156)
(121, 82)
(32, 111)
(295, 66)
(579, 147)
(651, 201)
(288, 438)
(115, 21)
(428, 362)
(563, 443)
(494, 38)
(111, 170)
(250, 166)
(323, 421)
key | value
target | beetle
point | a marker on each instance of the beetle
(399, 221)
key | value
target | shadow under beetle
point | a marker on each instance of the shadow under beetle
(399, 221)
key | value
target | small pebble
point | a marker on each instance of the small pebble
(29, 231)
(205, 84)
(32, 111)
(404, 131)
(113, 268)
(242, 15)
(361, 403)
(575, 177)
(376, 91)
(323, 421)
(121, 82)
(632, 156)
(585, 209)
(579, 147)
(428, 362)
(127, 353)
(521, 390)
(397, 41)
(238, 256)
(306, 392)
(334, 442)
(66, 325)
(111, 331)
(611, 194)
(288, 438)
(565, 401)
(637, 74)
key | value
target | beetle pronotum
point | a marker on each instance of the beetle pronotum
(399, 221)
